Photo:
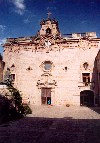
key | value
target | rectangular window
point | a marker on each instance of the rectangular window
(13, 77)
(86, 78)
(46, 96)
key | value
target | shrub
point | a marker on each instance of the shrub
(27, 109)
(22, 109)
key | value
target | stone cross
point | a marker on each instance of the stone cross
(49, 13)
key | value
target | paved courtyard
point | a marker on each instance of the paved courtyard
(51, 124)
(74, 112)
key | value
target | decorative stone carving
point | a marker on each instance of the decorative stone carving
(48, 84)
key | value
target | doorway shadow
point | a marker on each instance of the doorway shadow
(87, 98)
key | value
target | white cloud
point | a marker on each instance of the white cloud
(83, 21)
(26, 21)
(2, 41)
(19, 11)
(29, 18)
(2, 28)
(20, 6)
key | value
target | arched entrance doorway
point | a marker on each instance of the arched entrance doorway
(87, 98)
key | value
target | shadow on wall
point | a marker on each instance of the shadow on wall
(95, 86)
(91, 98)
(95, 83)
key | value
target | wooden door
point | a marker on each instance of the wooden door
(46, 95)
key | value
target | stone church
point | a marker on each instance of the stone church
(51, 68)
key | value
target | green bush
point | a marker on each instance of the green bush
(16, 107)
(27, 109)
(21, 108)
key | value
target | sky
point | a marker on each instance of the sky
(19, 18)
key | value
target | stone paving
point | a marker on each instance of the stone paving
(54, 125)
(74, 112)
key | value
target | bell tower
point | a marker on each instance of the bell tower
(49, 26)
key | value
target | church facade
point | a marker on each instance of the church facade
(49, 68)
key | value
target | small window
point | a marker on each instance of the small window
(13, 77)
(12, 66)
(86, 77)
(85, 65)
(29, 68)
(65, 68)
(47, 65)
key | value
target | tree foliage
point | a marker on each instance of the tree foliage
(17, 101)
(21, 109)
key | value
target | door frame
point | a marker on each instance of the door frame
(45, 96)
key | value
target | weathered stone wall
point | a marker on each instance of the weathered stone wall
(25, 57)
(29, 71)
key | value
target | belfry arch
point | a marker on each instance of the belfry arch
(48, 31)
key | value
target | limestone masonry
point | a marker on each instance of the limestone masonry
(49, 68)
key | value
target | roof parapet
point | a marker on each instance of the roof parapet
(82, 35)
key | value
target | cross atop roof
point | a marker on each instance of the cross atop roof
(49, 13)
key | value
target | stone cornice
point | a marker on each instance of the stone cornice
(40, 40)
